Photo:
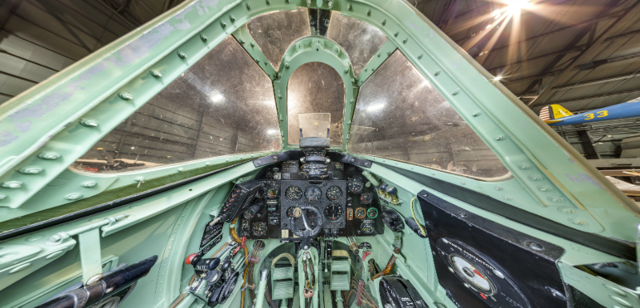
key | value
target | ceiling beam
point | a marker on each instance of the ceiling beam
(629, 15)
(581, 99)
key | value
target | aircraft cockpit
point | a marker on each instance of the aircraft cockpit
(299, 154)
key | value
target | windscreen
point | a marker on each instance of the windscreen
(315, 88)
(402, 116)
(314, 124)
(222, 105)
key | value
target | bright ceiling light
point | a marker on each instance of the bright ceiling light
(497, 78)
(514, 6)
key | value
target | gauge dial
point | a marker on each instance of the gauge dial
(333, 212)
(367, 227)
(366, 198)
(297, 212)
(293, 193)
(273, 192)
(313, 193)
(372, 213)
(334, 193)
(361, 213)
(355, 184)
(290, 211)
(259, 229)
(471, 274)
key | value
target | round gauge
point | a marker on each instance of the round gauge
(297, 212)
(361, 213)
(355, 184)
(293, 193)
(313, 193)
(290, 211)
(367, 227)
(372, 213)
(334, 193)
(273, 192)
(366, 198)
(471, 275)
(259, 229)
(333, 212)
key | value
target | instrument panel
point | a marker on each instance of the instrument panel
(347, 203)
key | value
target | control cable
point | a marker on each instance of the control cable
(414, 216)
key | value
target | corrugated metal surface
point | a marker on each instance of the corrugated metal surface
(39, 38)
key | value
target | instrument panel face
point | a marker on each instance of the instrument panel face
(314, 192)
(285, 190)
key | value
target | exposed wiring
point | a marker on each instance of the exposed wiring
(415, 218)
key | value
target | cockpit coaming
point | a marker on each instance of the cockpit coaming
(298, 154)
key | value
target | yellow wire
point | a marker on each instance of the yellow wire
(416, 219)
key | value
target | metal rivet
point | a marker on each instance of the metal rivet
(241, 41)
(12, 184)
(156, 74)
(620, 301)
(500, 138)
(476, 114)
(268, 2)
(73, 196)
(180, 169)
(349, 7)
(369, 12)
(182, 55)
(223, 24)
(525, 167)
(456, 92)
(534, 246)
(396, 34)
(89, 184)
(139, 179)
(30, 170)
(89, 122)
(3, 196)
(614, 289)
(233, 19)
(436, 73)
(498, 188)
(566, 210)
(556, 199)
(286, 65)
(405, 41)
(420, 57)
(55, 254)
(545, 188)
(19, 268)
(508, 198)
(252, 44)
(125, 96)
(384, 22)
(247, 6)
(578, 222)
(535, 177)
(463, 183)
(204, 38)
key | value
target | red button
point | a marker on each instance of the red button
(189, 258)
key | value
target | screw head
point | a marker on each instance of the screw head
(73, 196)
(578, 222)
(156, 74)
(89, 184)
(12, 184)
(500, 138)
(182, 55)
(534, 246)
(49, 155)
(204, 38)
(30, 170)
(477, 114)
(437, 73)
(125, 96)
(89, 122)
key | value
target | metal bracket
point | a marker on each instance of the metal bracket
(599, 289)
(89, 245)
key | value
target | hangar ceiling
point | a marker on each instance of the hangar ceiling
(582, 54)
